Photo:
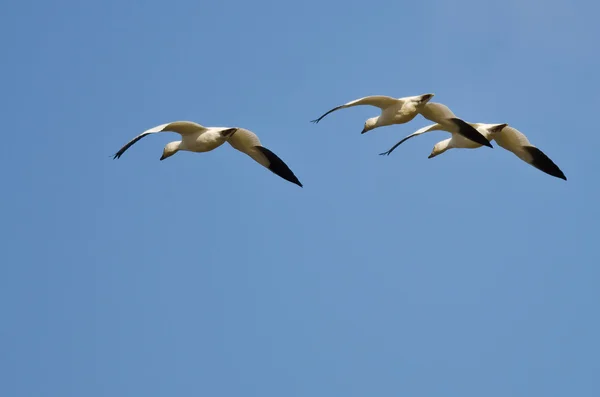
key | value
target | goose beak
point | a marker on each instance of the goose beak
(364, 130)
(163, 157)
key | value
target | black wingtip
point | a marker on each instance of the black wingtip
(543, 163)
(278, 167)
(322, 116)
(470, 132)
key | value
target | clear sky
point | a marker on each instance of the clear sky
(471, 274)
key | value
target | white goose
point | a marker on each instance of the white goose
(197, 138)
(403, 110)
(507, 137)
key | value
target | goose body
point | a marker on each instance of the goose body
(506, 136)
(403, 110)
(393, 110)
(197, 138)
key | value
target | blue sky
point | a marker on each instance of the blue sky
(468, 274)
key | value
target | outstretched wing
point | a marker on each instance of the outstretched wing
(515, 141)
(379, 101)
(436, 112)
(181, 127)
(247, 142)
(244, 140)
(440, 113)
(432, 127)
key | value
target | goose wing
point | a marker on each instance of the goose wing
(515, 141)
(379, 101)
(181, 127)
(432, 127)
(247, 142)
(440, 113)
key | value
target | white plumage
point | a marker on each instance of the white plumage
(403, 110)
(507, 137)
(197, 138)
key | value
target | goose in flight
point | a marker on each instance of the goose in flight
(197, 138)
(403, 110)
(507, 137)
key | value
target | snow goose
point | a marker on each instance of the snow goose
(403, 110)
(197, 138)
(507, 137)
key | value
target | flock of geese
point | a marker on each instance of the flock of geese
(464, 135)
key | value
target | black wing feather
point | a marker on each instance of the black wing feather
(278, 167)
